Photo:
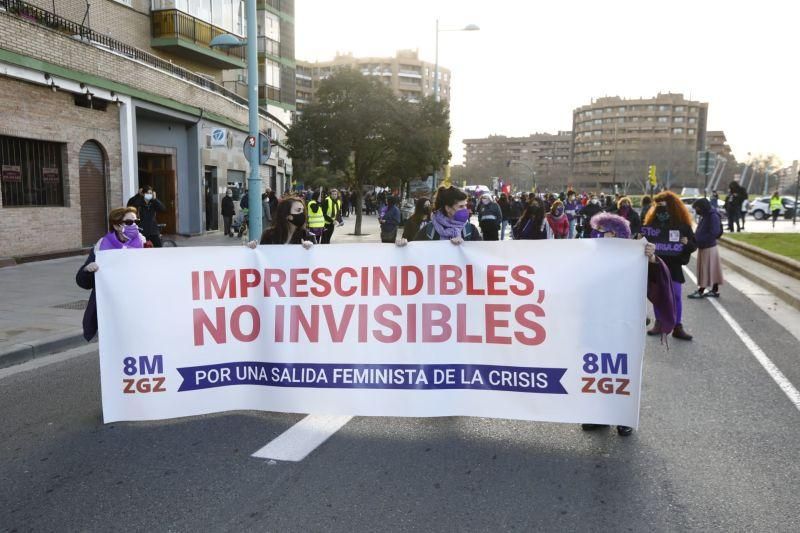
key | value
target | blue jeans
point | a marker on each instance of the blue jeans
(572, 224)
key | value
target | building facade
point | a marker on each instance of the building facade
(408, 76)
(615, 140)
(98, 103)
(540, 159)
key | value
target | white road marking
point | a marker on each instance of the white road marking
(46, 360)
(774, 372)
(298, 441)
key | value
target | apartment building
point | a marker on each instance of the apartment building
(103, 97)
(408, 76)
(542, 159)
(616, 139)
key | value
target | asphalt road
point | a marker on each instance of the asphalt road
(717, 450)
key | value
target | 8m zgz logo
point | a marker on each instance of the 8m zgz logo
(143, 366)
(605, 365)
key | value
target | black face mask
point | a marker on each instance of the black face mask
(662, 215)
(298, 219)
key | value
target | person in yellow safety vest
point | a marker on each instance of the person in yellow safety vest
(332, 214)
(775, 206)
(316, 216)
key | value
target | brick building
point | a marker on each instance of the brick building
(129, 93)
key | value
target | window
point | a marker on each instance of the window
(32, 172)
(679, 109)
(663, 108)
(690, 131)
(692, 120)
(663, 119)
(269, 26)
(677, 131)
(598, 121)
(678, 119)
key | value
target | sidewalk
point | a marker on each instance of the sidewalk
(41, 307)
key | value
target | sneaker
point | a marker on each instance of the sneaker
(697, 295)
(624, 431)
(712, 294)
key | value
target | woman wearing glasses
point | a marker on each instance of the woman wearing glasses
(124, 233)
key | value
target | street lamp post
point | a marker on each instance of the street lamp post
(253, 178)
(469, 27)
(533, 172)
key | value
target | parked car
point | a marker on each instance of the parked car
(759, 208)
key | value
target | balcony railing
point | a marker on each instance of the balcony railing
(177, 24)
(268, 92)
(92, 38)
(269, 46)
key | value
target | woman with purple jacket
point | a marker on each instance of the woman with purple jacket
(709, 268)
(123, 233)
(571, 208)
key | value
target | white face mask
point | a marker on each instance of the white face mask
(148, 197)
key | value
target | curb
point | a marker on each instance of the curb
(785, 265)
(22, 352)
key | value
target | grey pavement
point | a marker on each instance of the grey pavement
(41, 307)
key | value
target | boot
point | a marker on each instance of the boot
(680, 333)
(656, 330)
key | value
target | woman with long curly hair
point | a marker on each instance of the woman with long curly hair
(669, 225)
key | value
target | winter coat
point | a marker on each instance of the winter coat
(490, 211)
(708, 230)
(227, 207)
(516, 209)
(85, 280)
(634, 220)
(147, 213)
(529, 231)
(675, 262)
(390, 220)
(588, 212)
(572, 208)
(559, 225)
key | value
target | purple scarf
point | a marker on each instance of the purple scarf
(110, 241)
(446, 227)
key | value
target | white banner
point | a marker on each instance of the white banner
(531, 330)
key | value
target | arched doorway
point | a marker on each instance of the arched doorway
(93, 192)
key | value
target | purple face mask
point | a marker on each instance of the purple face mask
(596, 234)
(462, 215)
(559, 211)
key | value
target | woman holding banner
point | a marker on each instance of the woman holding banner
(288, 225)
(608, 225)
(668, 225)
(123, 233)
(450, 220)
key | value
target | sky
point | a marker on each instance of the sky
(533, 62)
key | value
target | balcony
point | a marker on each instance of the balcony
(268, 92)
(186, 36)
(269, 46)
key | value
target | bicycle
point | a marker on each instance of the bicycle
(166, 243)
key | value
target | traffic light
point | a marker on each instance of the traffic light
(652, 175)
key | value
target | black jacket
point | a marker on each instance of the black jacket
(588, 211)
(227, 207)
(147, 213)
(675, 262)
(85, 280)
